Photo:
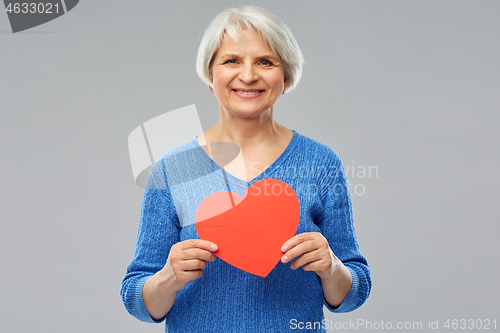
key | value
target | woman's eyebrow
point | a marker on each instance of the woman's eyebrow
(232, 55)
(268, 56)
(229, 55)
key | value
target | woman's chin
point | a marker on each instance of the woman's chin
(248, 111)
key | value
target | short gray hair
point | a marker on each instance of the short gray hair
(274, 31)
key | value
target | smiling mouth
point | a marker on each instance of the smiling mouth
(248, 92)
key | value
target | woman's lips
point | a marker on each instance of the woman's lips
(248, 93)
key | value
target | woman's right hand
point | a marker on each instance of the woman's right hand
(186, 261)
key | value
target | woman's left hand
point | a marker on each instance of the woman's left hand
(313, 254)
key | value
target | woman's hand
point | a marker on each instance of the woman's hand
(187, 259)
(313, 253)
(185, 263)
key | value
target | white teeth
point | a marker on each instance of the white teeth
(248, 92)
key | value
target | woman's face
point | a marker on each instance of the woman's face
(247, 78)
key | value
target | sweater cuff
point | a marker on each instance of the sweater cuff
(138, 306)
(349, 302)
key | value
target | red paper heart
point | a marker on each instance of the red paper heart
(250, 231)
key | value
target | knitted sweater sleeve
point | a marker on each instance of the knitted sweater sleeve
(337, 225)
(158, 230)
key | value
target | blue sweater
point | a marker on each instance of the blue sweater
(225, 298)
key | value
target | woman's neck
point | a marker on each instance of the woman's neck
(260, 139)
(249, 131)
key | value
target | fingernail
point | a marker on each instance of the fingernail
(213, 247)
(284, 259)
(284, 248)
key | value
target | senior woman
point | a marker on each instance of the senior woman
(248, 58)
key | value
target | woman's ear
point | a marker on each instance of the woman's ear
(210, 72)
(211, 80)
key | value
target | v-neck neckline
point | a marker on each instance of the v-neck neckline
(261, 175)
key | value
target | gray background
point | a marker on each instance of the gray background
(411, 87)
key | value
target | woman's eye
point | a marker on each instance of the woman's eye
(231, 61)
(266, 62)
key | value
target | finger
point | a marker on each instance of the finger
(187, 265)
(186, 276)
(297, 239)
(199, 243)
(314, 266)
(300, 249)
(307, 258)
(196, 253)
(192, 265)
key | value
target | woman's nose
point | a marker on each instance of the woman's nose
(248, 74)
